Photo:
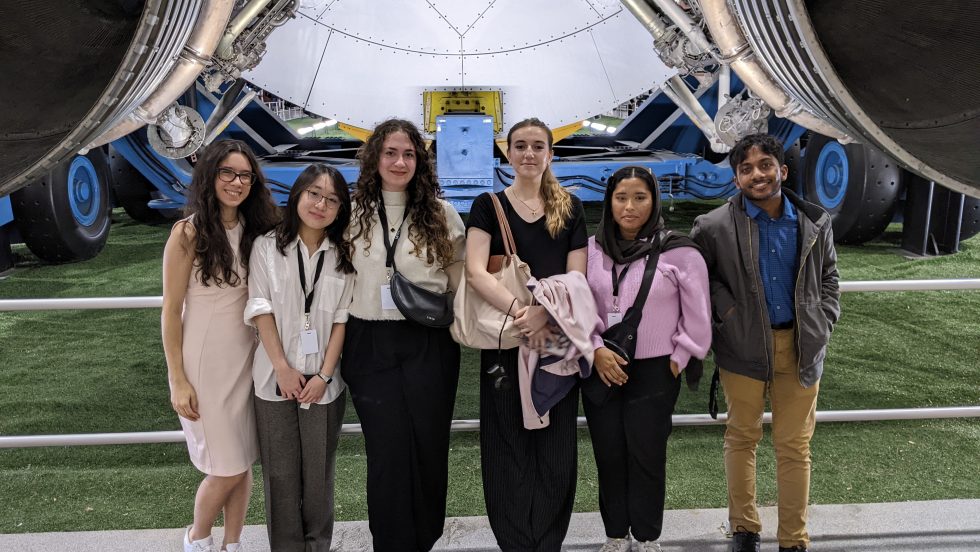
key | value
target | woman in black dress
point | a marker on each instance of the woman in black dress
(528, 476)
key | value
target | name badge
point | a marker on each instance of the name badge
(387, 302)
(308, 342)
(613, 318)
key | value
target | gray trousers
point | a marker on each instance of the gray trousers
(298, 449)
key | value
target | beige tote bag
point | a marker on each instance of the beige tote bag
(477, 323)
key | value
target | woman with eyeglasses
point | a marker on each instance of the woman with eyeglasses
(207, 345)
(402, 375)
(528, 475)
(299, 291)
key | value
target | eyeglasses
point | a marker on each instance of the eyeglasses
(316, 197)
(228, 175)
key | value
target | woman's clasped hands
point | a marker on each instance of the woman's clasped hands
(532, 321)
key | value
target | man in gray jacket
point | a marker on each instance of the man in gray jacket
(775, 300)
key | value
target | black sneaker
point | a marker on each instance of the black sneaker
(797, 548)
(744, 541)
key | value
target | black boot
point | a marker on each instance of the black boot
(744, 541)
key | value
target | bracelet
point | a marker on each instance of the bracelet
(327, 379)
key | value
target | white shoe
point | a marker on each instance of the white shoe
(616, 545)
(236, 546)
(648, 546)
(203, 545)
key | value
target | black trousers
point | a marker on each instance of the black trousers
(402, 379)
(528, 475)
(629, 438)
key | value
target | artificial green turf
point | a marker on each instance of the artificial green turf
(103, 371)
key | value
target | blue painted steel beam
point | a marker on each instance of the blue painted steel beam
(6, 213)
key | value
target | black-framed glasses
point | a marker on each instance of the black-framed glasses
(229, 175)
(316, 197)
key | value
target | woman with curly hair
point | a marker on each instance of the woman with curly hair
(528, 475)
(402, 375)
(299, 292)
(207, 345)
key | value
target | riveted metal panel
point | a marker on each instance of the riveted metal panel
(559, 60)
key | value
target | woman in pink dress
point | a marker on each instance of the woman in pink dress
(207, 344)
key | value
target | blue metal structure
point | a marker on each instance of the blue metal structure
(465, 160)
(831, 174)
(6, 213)
(83, 194)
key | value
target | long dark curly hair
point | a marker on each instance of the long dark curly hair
(214, 257)
(288, 228)
(429, 228)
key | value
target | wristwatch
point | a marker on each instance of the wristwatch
(328, 379)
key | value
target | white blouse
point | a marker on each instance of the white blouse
(370, 261)
(274, 288)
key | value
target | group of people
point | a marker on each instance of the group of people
(262, 309)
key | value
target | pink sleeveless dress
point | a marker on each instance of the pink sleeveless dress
(217, 352)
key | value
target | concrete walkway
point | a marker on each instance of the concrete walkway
(933, 526)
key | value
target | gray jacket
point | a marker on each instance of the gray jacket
(742, 335)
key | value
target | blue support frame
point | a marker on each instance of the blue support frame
(6, 212)
(467, 168)
(280, 176)
(171, 177)
(680, 176)
(463, 176)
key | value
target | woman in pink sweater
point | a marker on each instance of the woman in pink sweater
(630, 417)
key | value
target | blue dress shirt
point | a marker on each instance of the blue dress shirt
(778, 259)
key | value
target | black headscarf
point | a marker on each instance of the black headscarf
(623, 251)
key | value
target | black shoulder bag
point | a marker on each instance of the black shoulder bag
(621, 338)
(416, 303)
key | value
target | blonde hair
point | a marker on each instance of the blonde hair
(556, 200)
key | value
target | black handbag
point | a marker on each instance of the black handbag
(416, 303)
(621, 338)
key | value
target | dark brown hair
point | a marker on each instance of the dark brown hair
(429, 225)
(288, 228)
(212, 252)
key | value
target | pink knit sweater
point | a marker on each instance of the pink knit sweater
(677, 314)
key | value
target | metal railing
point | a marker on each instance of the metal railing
(151, 302)
(150, 437)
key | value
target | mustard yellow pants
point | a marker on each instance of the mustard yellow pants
(793, 420)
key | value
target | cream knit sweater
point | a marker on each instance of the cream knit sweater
(370, 262)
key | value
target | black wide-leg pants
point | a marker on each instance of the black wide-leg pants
(528, 475)
(402, 378)
(629, 439)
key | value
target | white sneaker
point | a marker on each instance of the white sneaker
(203, 545)
(648, 546)
(236, 546)
(616, 545)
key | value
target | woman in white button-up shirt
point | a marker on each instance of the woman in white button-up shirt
(299, 290)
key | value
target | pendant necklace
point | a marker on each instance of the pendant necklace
(534, 212)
